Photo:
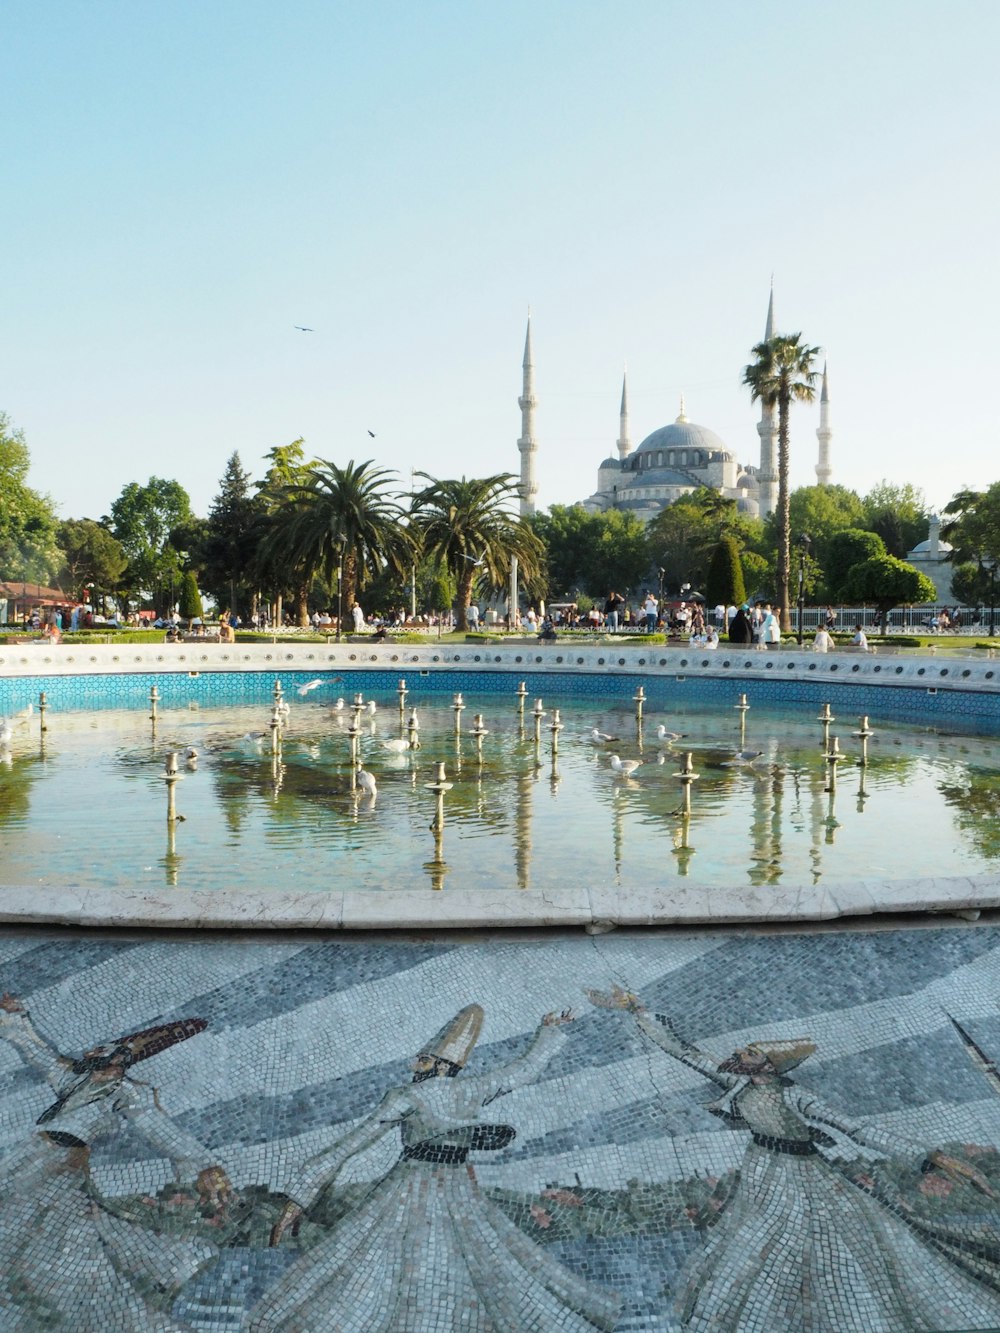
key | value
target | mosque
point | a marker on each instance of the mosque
(675, 459)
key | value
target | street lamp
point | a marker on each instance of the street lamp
(340, 588)
(663, 574)
(804, 543)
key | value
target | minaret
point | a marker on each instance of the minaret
(623, 441)
(527, 444)
(825, 433)
(767, 429)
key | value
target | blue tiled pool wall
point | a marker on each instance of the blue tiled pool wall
(959, 710)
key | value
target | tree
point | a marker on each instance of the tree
(91, 556)
(592, 552)
(971, 585)
(467, 525)
(189, 604)
(888, 582)
(142, 519)
(844, 550)
(684, 534)
(822, 511)
(973, 527)
(339, 519)
(231, 539)
(782, 374)
(28, 547)
(725, 575)
(271, 567)
(898, 514)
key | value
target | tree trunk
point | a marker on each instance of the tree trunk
(464, 596)
(349, 591)
(302, 606)
(784, 519)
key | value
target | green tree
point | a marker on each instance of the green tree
(91, 556)
(142, 519)
(592, 552)
(821, 511)
(271, 568)
(28, 545)
(467, 525)
(189, 604)
(973, 525)
(684, 534)
(231, 539)
(899, 515)
(782, 374)
(888, 582)
(971, 584)
(844, 550)
(725, 575)
(339, 518)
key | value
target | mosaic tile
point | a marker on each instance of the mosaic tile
(702, 1131)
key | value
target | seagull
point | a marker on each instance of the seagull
(397, 746)
(372, 434)
(338, 706)
(370, 707)
(475, 563)
(742, 758)
(366, 782)
(303, 690)
(283, 707)
(662, 734)
(303, 329)
(192, 753)
(626, 767)
(600, 737)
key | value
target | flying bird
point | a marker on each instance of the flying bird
(372, 434)
(309, 685)
(473, 558)
(303, 329)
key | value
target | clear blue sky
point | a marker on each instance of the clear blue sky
(184, 182)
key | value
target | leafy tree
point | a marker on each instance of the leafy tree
(91, 556)
(888, 582)
(339, 518)
(973, 525)
(898, 514)
(467, 525)
(821, 511)
(592, 552)
(189, 604)
(844, 550)
(725, 575)
(971, 584)
(782, 374)
(28, 547)
(684, 534)
(271, 567)
(231, 539)
(142, 519)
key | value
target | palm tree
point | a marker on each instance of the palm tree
(467, 525)
(339, 519)
(782, 374)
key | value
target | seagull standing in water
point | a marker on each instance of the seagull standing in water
(742, 758)
(366, 782)
(626, 767)
(668, 737)
(601, 737)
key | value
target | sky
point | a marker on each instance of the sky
(186, 182)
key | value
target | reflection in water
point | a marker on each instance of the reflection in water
(294, 813)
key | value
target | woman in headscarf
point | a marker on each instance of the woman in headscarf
(67, 1261)
(426, 1250)
(800, 1245)
(740, 629)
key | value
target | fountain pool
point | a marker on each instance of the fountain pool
(83, 805)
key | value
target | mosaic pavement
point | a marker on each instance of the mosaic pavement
(553, 1135)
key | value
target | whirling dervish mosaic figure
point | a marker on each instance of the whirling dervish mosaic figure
(425, 1249)
(66, 1260)
(800, 1246)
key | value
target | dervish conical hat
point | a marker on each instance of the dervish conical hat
(784, 1055)
(457, 1038)
(141, 1045)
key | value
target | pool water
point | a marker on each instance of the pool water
(85, 804)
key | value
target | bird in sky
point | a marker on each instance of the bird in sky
(473, 558)
(302, 328)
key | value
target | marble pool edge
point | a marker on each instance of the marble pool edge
(593, 908)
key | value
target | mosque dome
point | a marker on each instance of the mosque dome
(697, 444)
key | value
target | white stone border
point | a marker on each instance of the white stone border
(421, 908)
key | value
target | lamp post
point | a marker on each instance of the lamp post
(804, 543)
(991, 564)
(340, 589)
(663, 574)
